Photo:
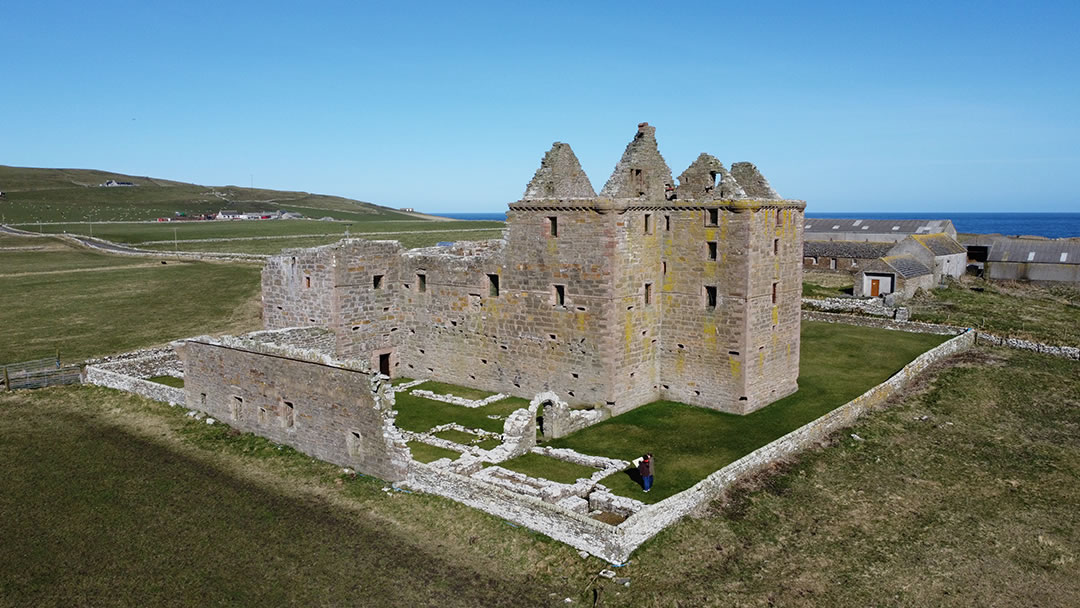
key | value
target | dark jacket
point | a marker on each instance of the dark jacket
(645, 468)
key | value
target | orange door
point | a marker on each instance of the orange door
(875, 287)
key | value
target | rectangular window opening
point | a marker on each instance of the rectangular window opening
(779, 217)
(493, 285)
(648, 293)
(776, 247)
(553, 226)
(774, 286)
(648, 223)
(289, 415)
(560, 295)
(376, 281)
(237, 409)
(712, 250)
(307, 282)
(663, 267)
(667, 223)
(710, 296)
(712, 217)
(262, 415)
(421, 282)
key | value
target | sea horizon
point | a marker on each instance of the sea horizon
(1049, 224)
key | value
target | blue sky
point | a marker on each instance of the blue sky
(871, 106)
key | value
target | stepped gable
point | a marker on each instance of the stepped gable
(707, 179)
(560, 176)
(641, 172)
(753, 182)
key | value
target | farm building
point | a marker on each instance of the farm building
(883, 231)
(901, 274)
(1013, 259)
(842, 256)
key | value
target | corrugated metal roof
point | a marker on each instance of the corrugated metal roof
(846, 249)
(940, 243)
(906, 265)
(1035, 252)
(825, 225)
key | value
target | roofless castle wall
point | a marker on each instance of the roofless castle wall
(650, 290)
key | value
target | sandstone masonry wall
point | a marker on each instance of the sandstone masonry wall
(340, 415)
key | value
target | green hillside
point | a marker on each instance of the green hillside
(55, 195)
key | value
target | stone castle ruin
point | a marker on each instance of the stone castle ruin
(653, 289)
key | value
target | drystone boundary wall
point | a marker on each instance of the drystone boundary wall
(648, 521)
(151, 390)
(1067, 352)
(128, 373)
(874, 307)
(575, 529)
(616, 543)
(909, 326)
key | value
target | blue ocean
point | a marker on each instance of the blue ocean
(1052, 225)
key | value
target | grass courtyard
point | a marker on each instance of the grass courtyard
(838, 363)
(962, 493)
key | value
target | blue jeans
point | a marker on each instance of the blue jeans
(647, 481)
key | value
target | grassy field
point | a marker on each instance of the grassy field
(271, 246)
(838, 363)
(826, 284)
(1045, 314)
(85, 303)
(422, 452)
(961, 494)
(50, 254)
(141, 233)
(56, 195)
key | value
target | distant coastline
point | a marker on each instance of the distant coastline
(1050, 225)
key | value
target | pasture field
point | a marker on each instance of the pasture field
(57, 195)
(962, 493)
(273, 245)
(84, 303)
(162, 232)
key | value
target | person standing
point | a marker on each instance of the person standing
(645, 469)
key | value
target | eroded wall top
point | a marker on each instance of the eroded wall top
(641, 172)
(560, 176)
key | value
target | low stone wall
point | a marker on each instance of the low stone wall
(1067, 352)
(911, 326)
(129, 372)
(872, 306)
(648, 521)
(557, 521)
(151, 390)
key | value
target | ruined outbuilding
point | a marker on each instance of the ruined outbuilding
(652, 289)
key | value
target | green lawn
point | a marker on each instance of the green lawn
(546, 467)
(172, 381)
(99, 312)
(419, 415)
(422, 452)
(1044, 314)
(838, 363)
